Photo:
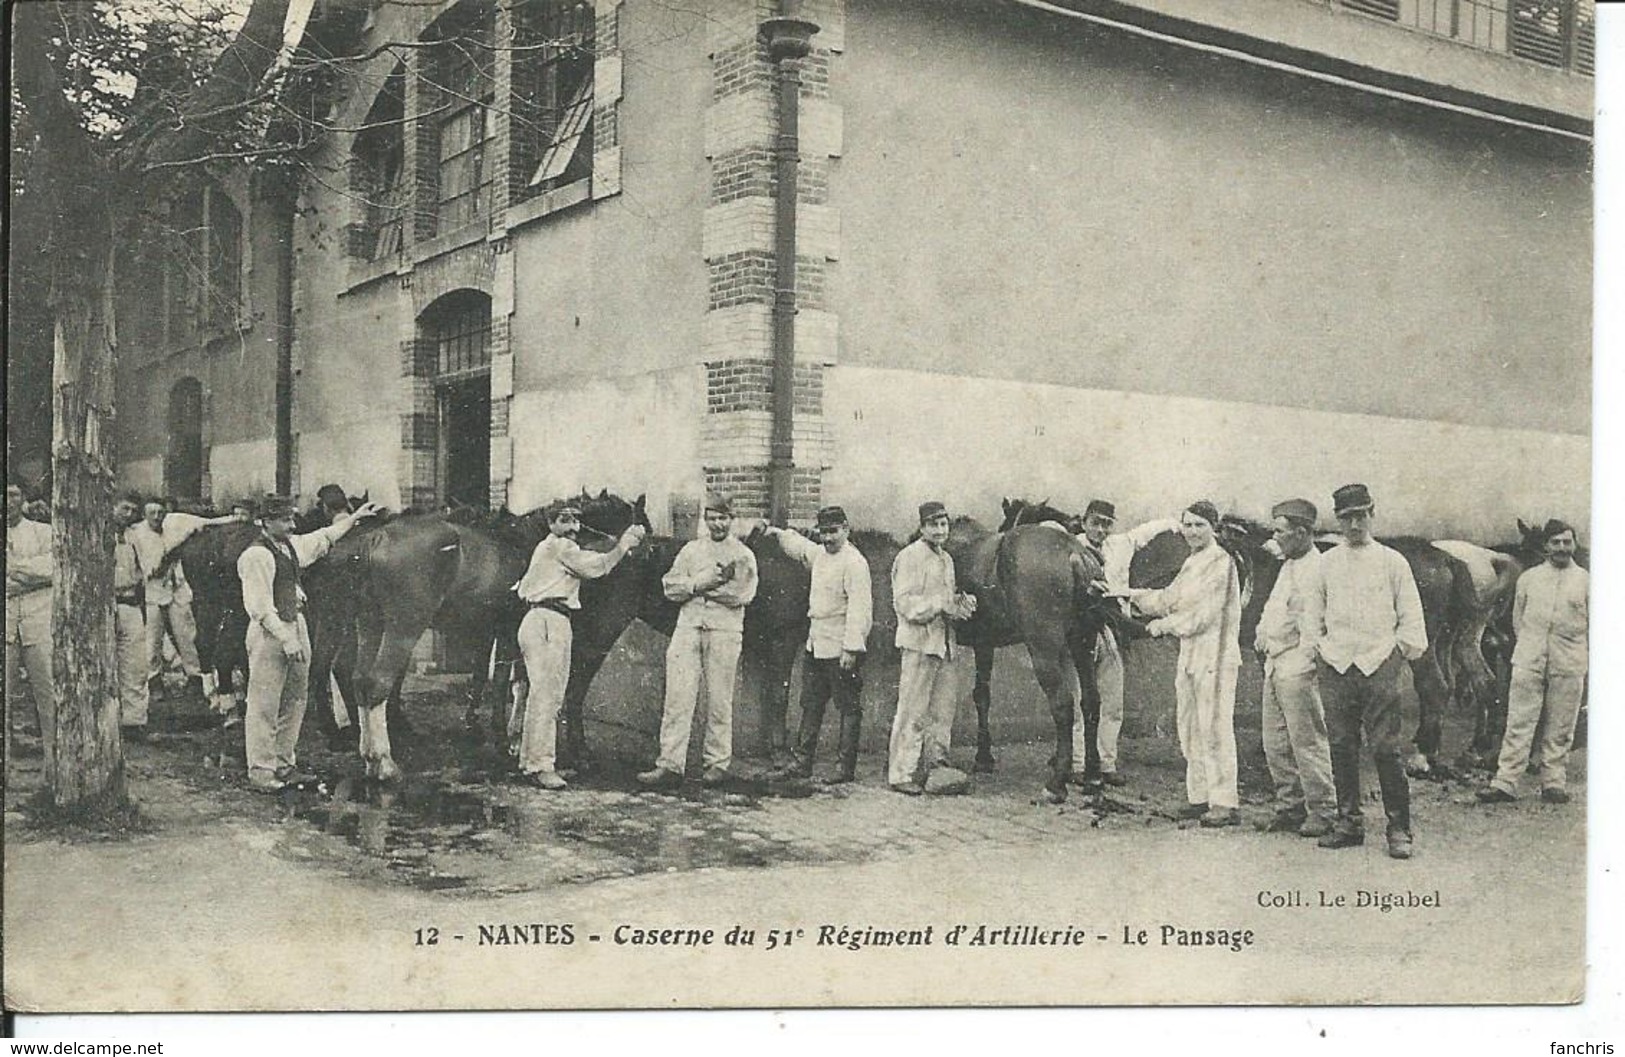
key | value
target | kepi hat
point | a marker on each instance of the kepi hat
(1299, 511)
(932, 509)
(831, 517)
(276, 506)
(719, 504)
(1351, 497)
(1100, 508)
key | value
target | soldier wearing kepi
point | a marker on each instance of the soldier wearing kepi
(927, 601)
(714, 578)
(841, 609)
(1550, 614)
(1114, 551)
(1294, 723)
(278, 641)
(1371, 624)
(551, 587)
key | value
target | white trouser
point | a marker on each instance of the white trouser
(1531, 695)
(132, 665)
(1109, 682)
(923, 726)
(1206, 701)
(544, 641)
(175, 618)
(28, 645)
(696, 654)
(277, 687)
(1295, 742)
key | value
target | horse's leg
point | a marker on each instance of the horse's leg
(982, 694)
(573, 752)
(1432, 697)
(481, 680)
(346, 660)
(388, 669)
(1080, 644)
(776, 660)
(1057, 676)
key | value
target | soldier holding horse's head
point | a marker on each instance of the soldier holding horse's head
(551, 587)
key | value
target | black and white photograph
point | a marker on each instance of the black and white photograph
(800, 504)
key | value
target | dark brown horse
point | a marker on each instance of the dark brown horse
(1034, 586)
(209, 560)
(1449, 668)
(775, 625)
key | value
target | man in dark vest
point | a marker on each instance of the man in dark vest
(278, 641)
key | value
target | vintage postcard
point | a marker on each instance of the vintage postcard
(640, 504)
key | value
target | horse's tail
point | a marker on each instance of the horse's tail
(1468, 619)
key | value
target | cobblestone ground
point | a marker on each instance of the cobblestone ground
(458, 827)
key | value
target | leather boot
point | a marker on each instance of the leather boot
(847, 766)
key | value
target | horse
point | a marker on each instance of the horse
(1450, 667)
(208, 558)
(775, 621)
(1034, 586)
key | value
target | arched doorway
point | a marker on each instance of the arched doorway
(457, 327)
(183, 468)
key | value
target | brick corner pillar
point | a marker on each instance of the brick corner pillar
(738, 246)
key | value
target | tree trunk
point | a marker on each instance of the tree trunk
(85, 768)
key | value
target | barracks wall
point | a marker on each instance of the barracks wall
(1077, 263)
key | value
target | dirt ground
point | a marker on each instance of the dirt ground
(346, 895)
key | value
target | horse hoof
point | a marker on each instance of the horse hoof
(983, 765)
(387, 771)
(1418, 766)
(1052, 796)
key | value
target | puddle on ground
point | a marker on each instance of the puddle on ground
(447, 833)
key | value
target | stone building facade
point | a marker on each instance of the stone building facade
(1149, 249)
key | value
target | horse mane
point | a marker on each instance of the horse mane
(1026, 512)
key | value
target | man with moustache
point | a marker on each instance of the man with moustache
(1294, 723)
(1371, 625)
(840, 607)
(278, 639)
(928, 602)
(1551, 615)
(551, 587)
(714, 578)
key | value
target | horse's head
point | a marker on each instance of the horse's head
(1026, 512)
(607, 514)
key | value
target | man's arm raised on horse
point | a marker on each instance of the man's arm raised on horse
(310, 547)
(794, 544)
(590, 565)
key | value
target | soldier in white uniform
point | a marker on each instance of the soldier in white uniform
(29, 575)
(1551, 617)
(1202, 607)
(714, 578)
(840, 606)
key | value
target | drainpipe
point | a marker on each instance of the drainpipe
(788, 39)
